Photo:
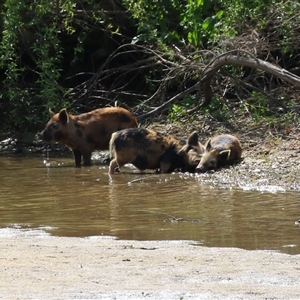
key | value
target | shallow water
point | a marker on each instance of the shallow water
(64, 201)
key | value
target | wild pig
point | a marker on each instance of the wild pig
(220, 150)
(194, 151)
(86, 132)
(148, 149)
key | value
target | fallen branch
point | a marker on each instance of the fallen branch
(213, 67)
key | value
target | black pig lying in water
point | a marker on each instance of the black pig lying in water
(220, 150)
(148, 149)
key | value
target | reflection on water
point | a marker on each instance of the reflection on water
(85, 202)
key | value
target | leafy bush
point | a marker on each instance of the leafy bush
(44, 43)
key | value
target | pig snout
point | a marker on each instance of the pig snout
(43, 136)
(39, 136)
(200, 169)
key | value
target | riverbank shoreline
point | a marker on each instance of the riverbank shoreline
(39, 266)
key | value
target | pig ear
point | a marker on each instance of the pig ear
(225, 151)
(208, 145)
(63, 116)
(193, 139)
(51, 112)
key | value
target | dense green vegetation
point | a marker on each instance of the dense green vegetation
(88, 54)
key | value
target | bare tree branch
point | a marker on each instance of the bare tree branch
(182, 75)
(213, 67)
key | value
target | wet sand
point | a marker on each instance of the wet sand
(46, 267)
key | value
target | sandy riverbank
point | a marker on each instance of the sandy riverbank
(45, 267)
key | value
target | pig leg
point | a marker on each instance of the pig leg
(167, 162)
(113, 166)
(164, 166)
(77, 156)
(87, 158)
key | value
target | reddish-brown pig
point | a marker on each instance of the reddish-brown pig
(220, 150)
(86, 132)
(148, 149)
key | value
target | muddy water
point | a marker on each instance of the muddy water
(55, 197)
